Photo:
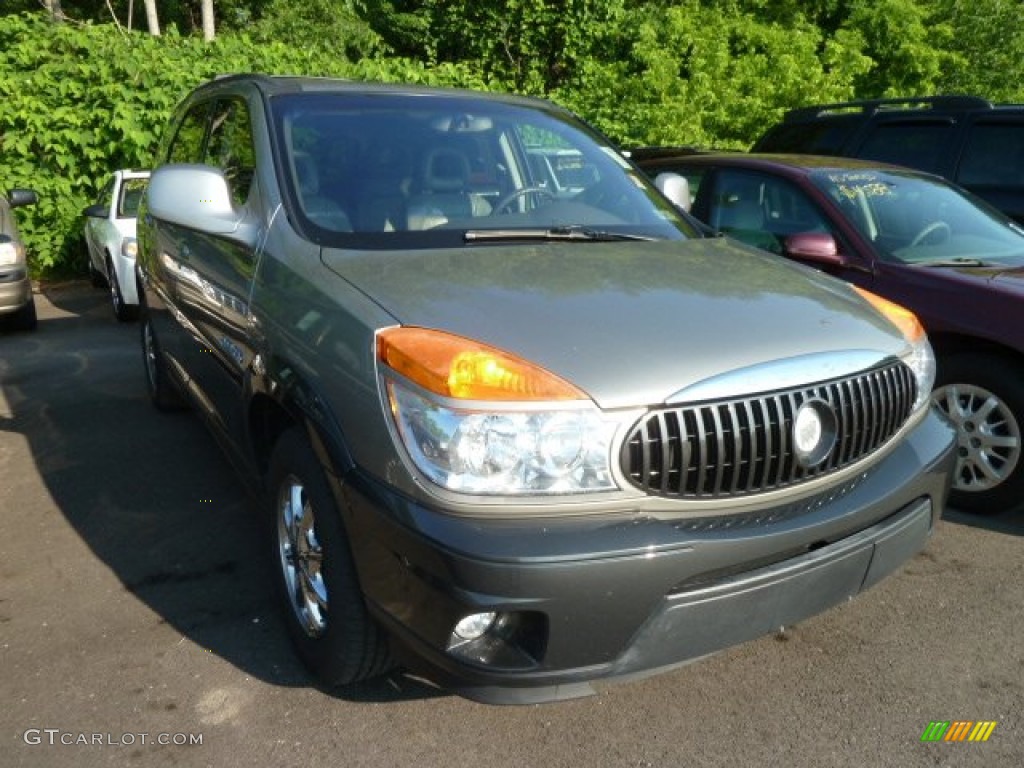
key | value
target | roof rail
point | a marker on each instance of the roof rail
(871, 106)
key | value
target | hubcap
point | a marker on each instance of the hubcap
(301, 557)
(115, 294)
(988, 436)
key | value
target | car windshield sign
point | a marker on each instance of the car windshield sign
(916, 219)
(400, 171)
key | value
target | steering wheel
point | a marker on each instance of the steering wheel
(935, 226)
(505, 204)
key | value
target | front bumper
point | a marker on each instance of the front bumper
(15, 289)
(628, 595)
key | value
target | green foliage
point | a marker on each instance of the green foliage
(324, 24)
(900, 37)
(81, 101)
(85, 97)
(711, 75)
(403, 25)
(988, 46)
(530, 46)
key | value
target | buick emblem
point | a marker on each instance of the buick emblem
(814, 432)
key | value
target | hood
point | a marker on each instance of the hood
(1009, 277)
(629, 323)
(985, 303)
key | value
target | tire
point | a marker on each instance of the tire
(123, 312)
(24, 319)
(96, 278)
(984, 398)
(162, 392)
(330, 627)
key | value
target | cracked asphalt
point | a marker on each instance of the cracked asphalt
(136, 626)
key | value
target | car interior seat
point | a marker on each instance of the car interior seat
(385, 174)
(444, 191)
(741, 216)
(321, 210)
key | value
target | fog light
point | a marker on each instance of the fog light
(475, 625)
(509, 640)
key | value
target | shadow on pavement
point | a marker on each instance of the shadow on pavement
(1007, 522)
(148, 492)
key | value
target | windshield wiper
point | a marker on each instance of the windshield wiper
(959, 261)
(573, 233)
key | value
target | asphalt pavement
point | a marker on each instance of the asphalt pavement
(137, 627)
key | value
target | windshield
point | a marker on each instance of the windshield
(405, 171)
(916, 219)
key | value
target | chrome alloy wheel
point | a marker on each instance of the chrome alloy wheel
(988, 436)
(301, 557)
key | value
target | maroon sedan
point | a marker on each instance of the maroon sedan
(915, 239)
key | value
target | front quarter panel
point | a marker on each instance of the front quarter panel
(317, 335)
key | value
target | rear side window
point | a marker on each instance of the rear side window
(823, 138)
(993, 155)
(919, 144)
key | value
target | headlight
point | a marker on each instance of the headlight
(920, 358)
(477, 420)
(10, 252)
(129, 247)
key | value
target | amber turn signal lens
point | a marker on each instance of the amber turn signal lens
(899, 316)
(453, 366)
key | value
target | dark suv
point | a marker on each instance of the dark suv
(518, 432)
(968, 140)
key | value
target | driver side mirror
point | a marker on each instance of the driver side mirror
(197, 197)
(815, 247)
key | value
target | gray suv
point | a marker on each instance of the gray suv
(17, 305)
(514, 435)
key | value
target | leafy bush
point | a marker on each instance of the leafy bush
(82, 100)
(711, 76)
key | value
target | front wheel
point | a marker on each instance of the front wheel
(984, 398)
(158, 383)
(325, 612)
(24, 319)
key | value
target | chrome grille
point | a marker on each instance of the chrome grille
(744, 446)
